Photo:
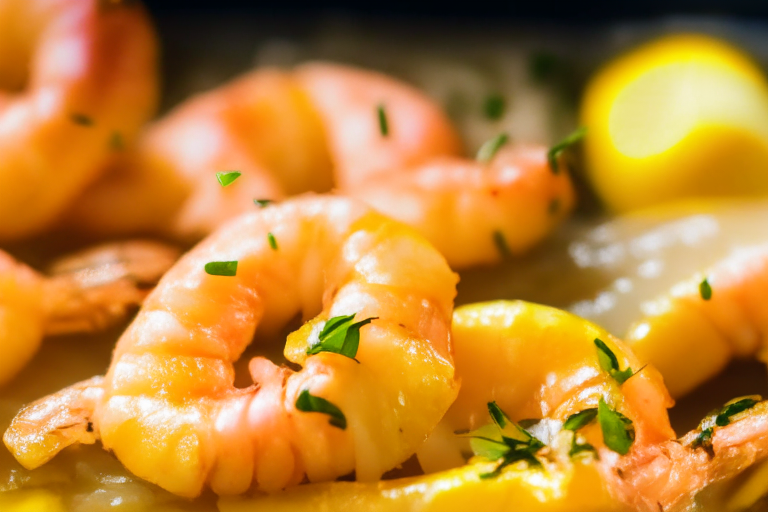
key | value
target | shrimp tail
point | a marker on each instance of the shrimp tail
(95, 289)
(45, 427)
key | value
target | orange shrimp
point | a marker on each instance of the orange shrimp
(691, 336)
(77, 75)
(168, 408)
(384, 142)
(87, 291)
(476, 213)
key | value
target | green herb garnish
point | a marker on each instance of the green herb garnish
(734, 407)
(116, 141)
(554, 206)
(494, 106)
(340, 336)
(580, 419)
(609, 363)
(489, 149)
(221, 268)
(262, 203)
(579, 448)
(226, 178)
(557, 149)
(504, 441)
(383, 123)
(501, 244)
(618, 431)
(307, 402)
(272, 241)
(81, 119)
(705, 289)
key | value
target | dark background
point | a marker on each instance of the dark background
(578, 11)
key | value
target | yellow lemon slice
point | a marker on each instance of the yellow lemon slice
(684, 116)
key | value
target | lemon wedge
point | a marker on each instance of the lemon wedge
(683, 116)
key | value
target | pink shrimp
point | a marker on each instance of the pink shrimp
(168, 408)
(85, 292)
(76, 74)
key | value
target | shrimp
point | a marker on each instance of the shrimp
(87, 291)
(169, 409)
(76, 74)
(691, 336)
(561, 376)
(382, 141)
(476, 213)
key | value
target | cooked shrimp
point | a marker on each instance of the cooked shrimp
(85, 292)
(476, 213)
(76, 74)
(169, 409)
(690, 338)
(386, 144)
(561, 376)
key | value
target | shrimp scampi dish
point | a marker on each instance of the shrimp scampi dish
(375, 272)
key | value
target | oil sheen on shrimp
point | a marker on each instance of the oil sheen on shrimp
(75, 76)
(84, 292)
(561, 376)
(659, 473)
(169, 410)
(381, 140)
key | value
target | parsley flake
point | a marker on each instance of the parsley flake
(705, 289)
(383, 122)
(272, 241)
(81, 119)
(582, 448)
(262, 203)
(580, 419)
(610, 364)
(226, 178)
(340, 336)
(734, 407)
(307, 402)
(501, 244)
(504, 441)
(489, 149)
(555, 151)
(618, 431)
(221, 268)
(116, 142)
(494, 107)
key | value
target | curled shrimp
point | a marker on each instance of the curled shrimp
(76, 76)
(169, 410)
(561, 376)
(692, 333)
(383, 141)
(85, 292)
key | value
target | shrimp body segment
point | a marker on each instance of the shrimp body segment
(85, 292)
(73, 74)
(170, 411)
(691, 339)
(476, 213)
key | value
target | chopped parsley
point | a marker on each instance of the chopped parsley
(555, 151)
(501, 244)
(262, 203)
(580, 419)
(720, 418)
(554, 206)
(221, 268)
(489, 149)
(307, 402)
(81, 119)
(618, 431)
(705, 289)
(116, 142)
(272, 241)
(340, 335)
(494, 107)
(610, 363)
(543, 66)
(504, 441)
(383, 122)
(227, 177)
(580, 448)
